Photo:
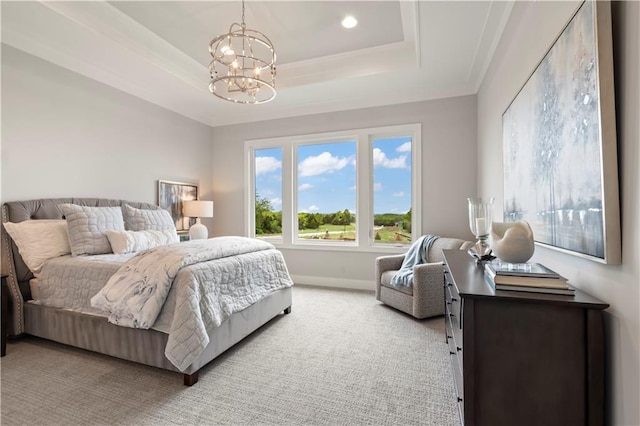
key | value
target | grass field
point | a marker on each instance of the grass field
(387, 234)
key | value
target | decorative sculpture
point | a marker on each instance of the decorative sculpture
(512, 242)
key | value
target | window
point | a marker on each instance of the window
(326, 191)
(392, 190)
(268, 194)
(356, 189)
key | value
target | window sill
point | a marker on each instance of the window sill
(391, 249)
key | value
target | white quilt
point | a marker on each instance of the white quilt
(212, 280)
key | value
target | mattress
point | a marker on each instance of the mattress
(70, 282)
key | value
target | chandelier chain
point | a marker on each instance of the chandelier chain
(243, 24)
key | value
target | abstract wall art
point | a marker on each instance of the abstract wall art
(559, 140)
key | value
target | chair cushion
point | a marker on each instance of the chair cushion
(385, 280)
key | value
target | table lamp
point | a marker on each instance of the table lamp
(198, 209)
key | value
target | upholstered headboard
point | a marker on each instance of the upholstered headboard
(12, 263)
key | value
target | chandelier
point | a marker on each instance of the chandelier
(243, 69)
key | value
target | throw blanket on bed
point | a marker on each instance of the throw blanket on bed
(134, 295)
(212, 281)
(418, 253)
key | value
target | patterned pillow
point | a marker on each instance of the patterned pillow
(88, 226)
(147, 220)
(135, 241)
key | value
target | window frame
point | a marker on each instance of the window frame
(364, 186)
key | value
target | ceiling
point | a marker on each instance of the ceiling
(401, 51)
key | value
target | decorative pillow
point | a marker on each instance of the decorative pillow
(87, 227)
(147, 220)
(39, 241)
(134, 241)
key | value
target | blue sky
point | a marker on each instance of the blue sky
(327, 176)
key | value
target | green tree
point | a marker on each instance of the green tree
(312, 222)
(342, 218)
(302, 221)
(406, 219)
(267, 221)
(328, 218)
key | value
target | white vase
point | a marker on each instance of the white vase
(512, 241)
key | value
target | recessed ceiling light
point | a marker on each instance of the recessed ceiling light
(349, 21)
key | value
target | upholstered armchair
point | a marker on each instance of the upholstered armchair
(425, 297)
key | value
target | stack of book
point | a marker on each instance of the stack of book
(531, 277)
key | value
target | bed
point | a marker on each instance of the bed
(78, 325)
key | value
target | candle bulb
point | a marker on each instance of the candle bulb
(481, 226)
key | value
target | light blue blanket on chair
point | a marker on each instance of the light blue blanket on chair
(418, 253)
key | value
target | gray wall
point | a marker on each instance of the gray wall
(532, 28)
(65, 135)
(449, 171)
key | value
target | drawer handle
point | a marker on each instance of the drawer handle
(453, 299)
(458, 348)
(449, 337)
(459, 399)
(449, 284)
(448, 303)
(451, 315)
(451, 353)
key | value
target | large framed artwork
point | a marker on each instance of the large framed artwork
(560, 149)
(171, 196)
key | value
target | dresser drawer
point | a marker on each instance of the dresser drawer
(455, 357)
(455, 342)
(453, 311)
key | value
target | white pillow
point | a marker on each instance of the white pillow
(134, 241)
(147, 219)
(39, 241)
(87, 227)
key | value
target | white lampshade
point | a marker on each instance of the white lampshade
(198, 209)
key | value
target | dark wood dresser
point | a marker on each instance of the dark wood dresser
(522, 358)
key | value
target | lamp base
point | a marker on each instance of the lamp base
(198, 232)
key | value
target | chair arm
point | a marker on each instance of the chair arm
(428, 288)
(389, 263)
(386, 263)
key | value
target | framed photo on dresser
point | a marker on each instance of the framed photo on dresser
(171, 197)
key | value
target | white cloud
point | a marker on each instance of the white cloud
(276, 201)
(381, 159)
(405, 147)
(399, 194)
(377, 186)
(311, 209)
(323, 163)
(267, 164)
(353, 188)
(305, 186)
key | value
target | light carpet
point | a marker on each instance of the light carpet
(340, 358)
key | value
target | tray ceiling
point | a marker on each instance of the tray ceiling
(401, 51)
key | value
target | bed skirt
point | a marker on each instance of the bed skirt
(95, 333)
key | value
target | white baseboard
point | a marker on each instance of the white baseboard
(334, 282)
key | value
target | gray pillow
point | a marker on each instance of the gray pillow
(88, 226)
(147, 220)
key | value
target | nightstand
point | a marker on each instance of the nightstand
(5, 314)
